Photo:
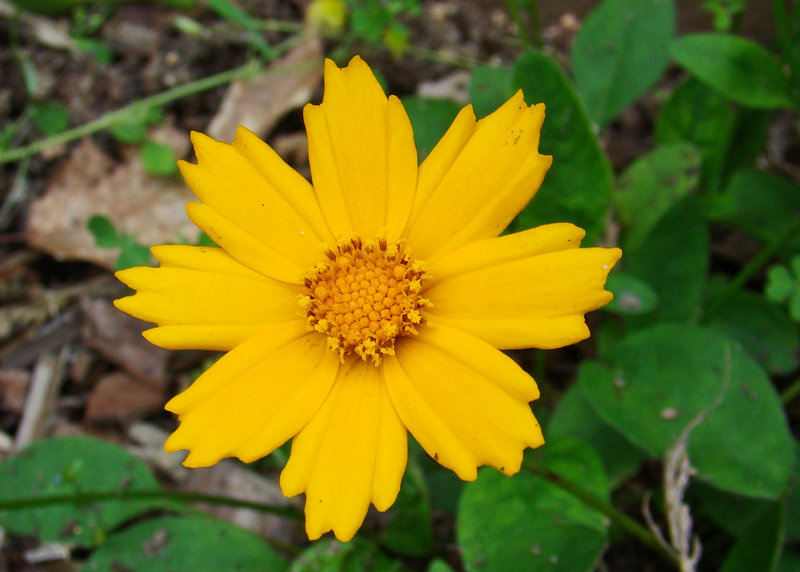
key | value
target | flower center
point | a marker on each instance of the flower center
(363, 296)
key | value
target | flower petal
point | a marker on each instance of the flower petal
(463, 401)
(492, 177)
(477, 255)
(207, 258)
(353, 451)
(211, 337)
(362, 154)
(294, 189)
(266, 402)
(532, 302)
(245, 248)
(233, 185)
(180, 296)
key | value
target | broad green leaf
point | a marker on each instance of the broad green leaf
(793, 502)
(408, 530)
(632, 296)
(760, 545)
(651, 185)
(440, 566)
(737, 67)
(762, 327)
(576, 418)
(430, 118)
(731, 512)
(182, 543)
(620, 51)
(50, 118)
(103, 231)
(658, 380)
(763, 205)
(159, 159)
(66, 466)
(329, 555)
(528, 524)
(789, 561)
(673, 260)
(489, 88)
(578, 186)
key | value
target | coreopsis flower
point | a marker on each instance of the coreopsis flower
(371, 304)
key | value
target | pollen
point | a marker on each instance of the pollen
(363, 296)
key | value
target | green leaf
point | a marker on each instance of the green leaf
(576, 418)
(182, 543)
(631, 295)
(159, 159)
(50, 118)
(763, 205)
(440, 566)
(430, 118)
(673, 260)
(793, 502)
(762, 327)
(578, 186)
(651, 185)
(760, 545)
(133, 128)
(695, 113)
(132, 254)
(620, 52)
(100, 51)
(528, 524)
(489, 88)
(103, 231)
(409, 530)
(66, 466)
(789, 561)
(731, 512)
(659, 380)
(738, 68)
(329, 555)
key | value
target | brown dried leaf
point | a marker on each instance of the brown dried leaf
(89, 183)
(230, 478)
(260, 102)
(13, 388)
(120, 397)
(118, 337)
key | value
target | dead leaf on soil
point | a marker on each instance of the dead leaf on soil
(13, 388)
(230, 478)
(260, 102)
(120, 397)
(118, 337)
(89, 183)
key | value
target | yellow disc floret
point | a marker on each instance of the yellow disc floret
(363, 296)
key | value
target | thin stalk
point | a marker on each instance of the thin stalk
(790, 392)
(751, 269)
(82, 498)
(109, 119)
(616, 516)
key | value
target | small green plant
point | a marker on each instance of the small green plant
(783, 286)
(131, 251)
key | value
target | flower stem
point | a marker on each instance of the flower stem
(113, 117)
(751, 269)
(790, 392)
(81, 498)
(616, 516)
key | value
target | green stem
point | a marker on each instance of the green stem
(535, 23)
(109, 119)
(81, 498)
(790, 392)
(751, 269)
(616, 516)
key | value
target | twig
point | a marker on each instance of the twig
(683, 545)
(47, 377)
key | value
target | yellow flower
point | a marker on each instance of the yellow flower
(371, 304)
